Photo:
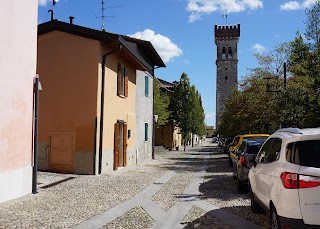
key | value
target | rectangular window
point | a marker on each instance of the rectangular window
(122, 80)
(146, 132)
(304, 153)
(146, 85)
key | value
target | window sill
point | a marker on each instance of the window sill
(122, 96)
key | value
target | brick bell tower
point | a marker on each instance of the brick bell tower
(226, 39)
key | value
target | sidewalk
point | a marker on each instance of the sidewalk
(161, 193)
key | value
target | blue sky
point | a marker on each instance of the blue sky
(182, 31)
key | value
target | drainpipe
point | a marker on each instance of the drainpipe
(102, 104)
(35, 136)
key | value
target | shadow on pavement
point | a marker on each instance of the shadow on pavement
(206, 221)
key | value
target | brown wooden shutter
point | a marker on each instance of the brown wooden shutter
(125, 133)
(119, 79)
(126, 82)
(116, 146)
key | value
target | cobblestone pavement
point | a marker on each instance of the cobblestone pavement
(192, 189)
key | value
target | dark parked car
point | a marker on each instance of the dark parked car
(226, 145)
(240, 165)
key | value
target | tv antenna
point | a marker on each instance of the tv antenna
(52, 9)
(103, 16)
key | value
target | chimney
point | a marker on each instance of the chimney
(71, 20)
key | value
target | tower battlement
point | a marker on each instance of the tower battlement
(228, 32)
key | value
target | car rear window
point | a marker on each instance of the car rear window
(304, 153)
(254, 149)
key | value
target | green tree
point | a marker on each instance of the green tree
(181, 105)
(161, 104)
(197, 113)
(298, 56)
(313, 25)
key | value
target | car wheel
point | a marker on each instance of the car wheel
(230, 162)
(274, 219)
(255, 207)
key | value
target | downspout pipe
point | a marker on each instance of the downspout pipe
(103, 66)
(35, 136)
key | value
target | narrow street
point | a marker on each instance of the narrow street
(191, 189)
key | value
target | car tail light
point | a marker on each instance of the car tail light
(308, 181)
(289, 180)
(243, 161)
(294, 181)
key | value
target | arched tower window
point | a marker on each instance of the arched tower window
(223, 53)
(230, 53)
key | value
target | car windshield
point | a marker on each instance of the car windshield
(257, 139)
(308, 152)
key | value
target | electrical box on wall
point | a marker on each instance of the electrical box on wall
(129, 133)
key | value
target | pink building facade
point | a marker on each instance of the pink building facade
(18, 22)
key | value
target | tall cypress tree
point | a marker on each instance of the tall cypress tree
(181, 106)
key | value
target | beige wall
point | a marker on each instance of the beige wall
(68, 69)
(18, 23)
(117, 108)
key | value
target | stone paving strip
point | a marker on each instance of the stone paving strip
(169, 194)
(135, 218)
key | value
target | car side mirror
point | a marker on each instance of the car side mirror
(251, 158)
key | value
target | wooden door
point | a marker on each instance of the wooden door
(120, 151)
(116, 146)
(125, 130)
(62, 147)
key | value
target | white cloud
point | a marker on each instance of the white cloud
(294, 5)
(43, 2)
(194, 17)
(164, 46)
(200, 7)
(257, 48)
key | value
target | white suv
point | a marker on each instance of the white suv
(285, 178)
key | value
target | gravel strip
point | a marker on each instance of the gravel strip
(199, 218)
(71, 202)
(135, 218)
(169, 194)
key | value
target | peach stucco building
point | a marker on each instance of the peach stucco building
(17, 70)
(87, 116)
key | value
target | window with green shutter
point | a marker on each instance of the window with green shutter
(146, 132)
(146, 85)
